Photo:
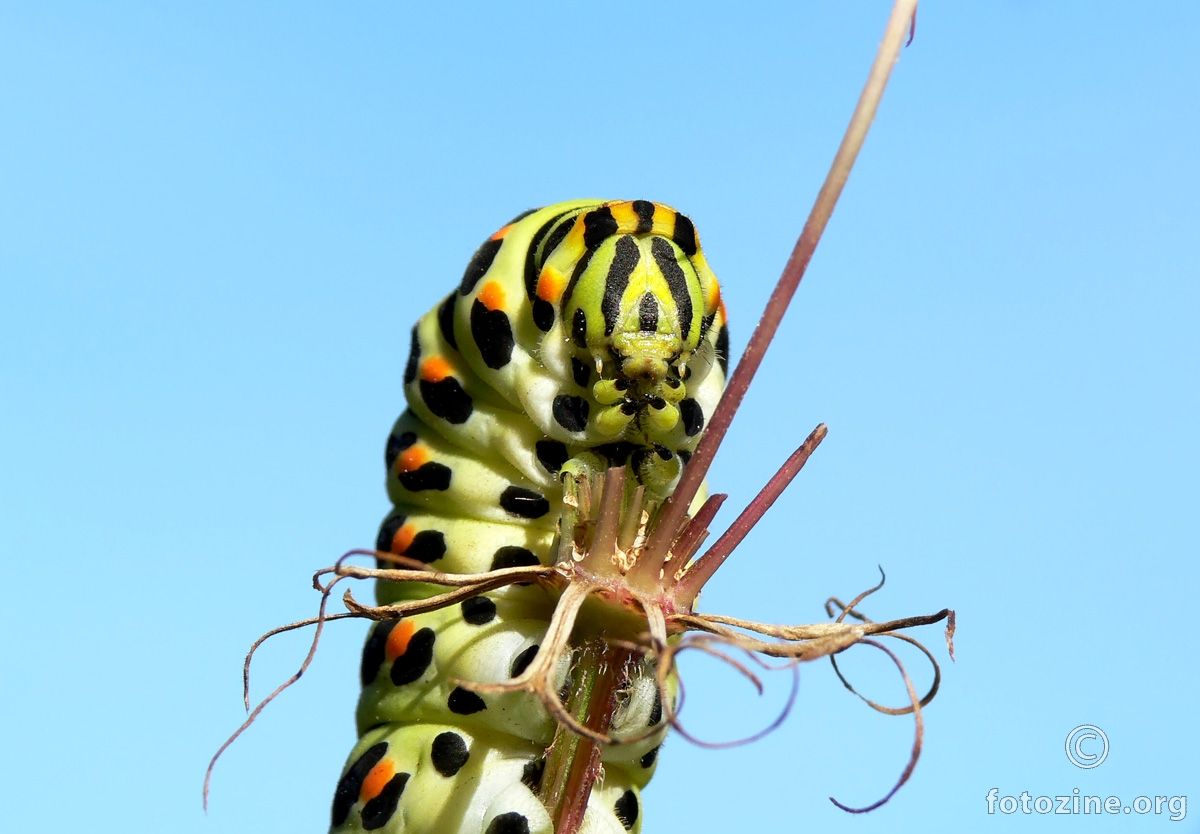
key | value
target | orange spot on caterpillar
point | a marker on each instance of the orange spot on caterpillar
(724, 314)
(413, 458)
(492, 295)
(550, 285)
(435, 369)
(397, 643)
(500, 233)
(377, 779)
(403, 539)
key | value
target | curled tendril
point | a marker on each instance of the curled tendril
(711, 634)
(918, 736)
(708, 645)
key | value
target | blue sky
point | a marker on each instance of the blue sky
(218, 222)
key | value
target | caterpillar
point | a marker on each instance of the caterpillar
(539, 573)
(582, 336)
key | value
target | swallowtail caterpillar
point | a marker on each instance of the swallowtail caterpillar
(538, 575)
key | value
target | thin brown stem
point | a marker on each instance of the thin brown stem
(704, 568)
(672, 710)
(789, 281)
(918, 736)
(850, 609)
(649, 566)
(500, 576)
(273, 632)
(573, 763)
(814, 631)
(250, 719)
(692, 537)
(608, 524)
(929, 696)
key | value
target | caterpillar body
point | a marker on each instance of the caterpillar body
(581, 336)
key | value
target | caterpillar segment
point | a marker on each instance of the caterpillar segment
(435, 777)
(581, 336)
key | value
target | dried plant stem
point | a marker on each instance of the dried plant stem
(864, 113)
(704, 567)
(573, 762)
(918, 735)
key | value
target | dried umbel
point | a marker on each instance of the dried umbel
(539, 576)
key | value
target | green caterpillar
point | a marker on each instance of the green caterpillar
(583, 335)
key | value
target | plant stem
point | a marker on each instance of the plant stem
(573, 761)
(864, 112)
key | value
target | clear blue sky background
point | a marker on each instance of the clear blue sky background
(218, 221)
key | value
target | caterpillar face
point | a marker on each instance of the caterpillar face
(581, 335)
(637, 306)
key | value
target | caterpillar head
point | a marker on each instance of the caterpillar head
(638, 306)
(644, 297)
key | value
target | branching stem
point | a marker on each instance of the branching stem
(898, 25)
